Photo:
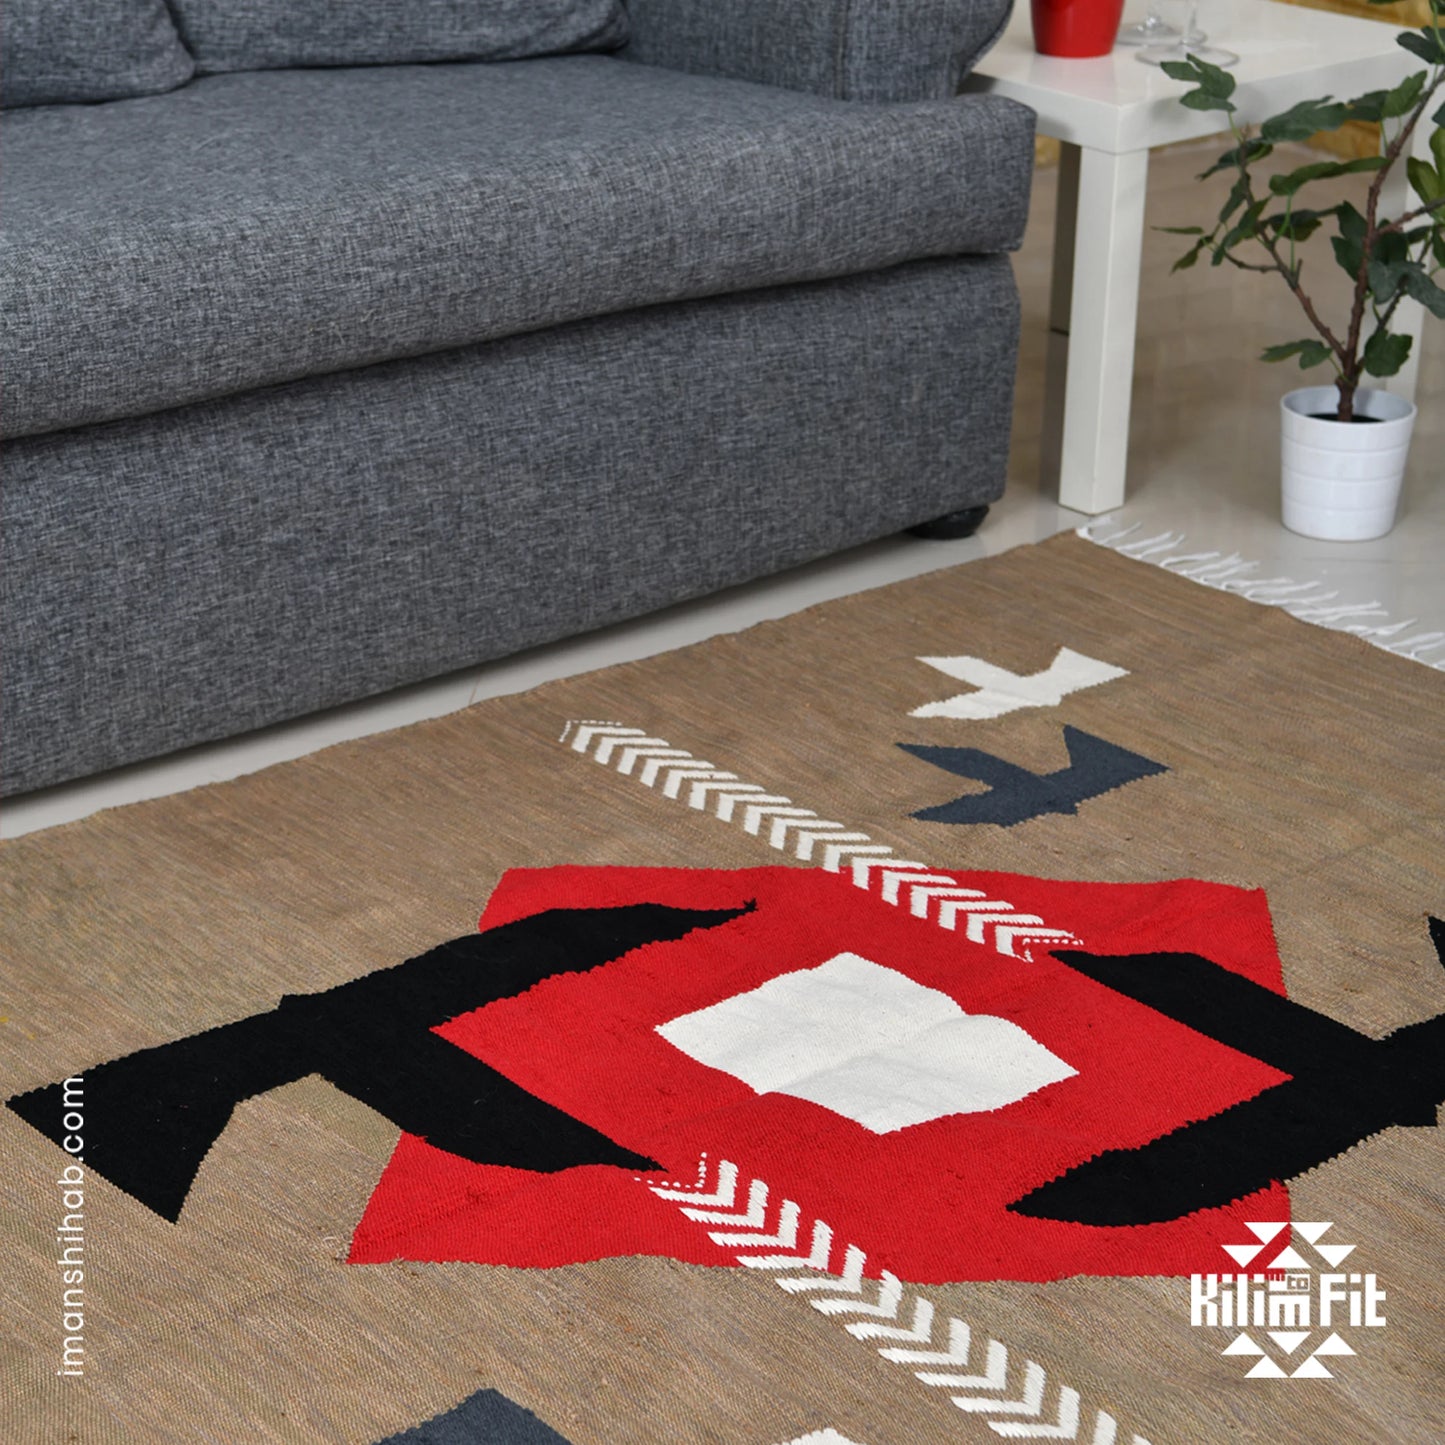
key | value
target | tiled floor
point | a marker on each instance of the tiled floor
(1203, 466)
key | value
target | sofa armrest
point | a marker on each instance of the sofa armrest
(868, 50)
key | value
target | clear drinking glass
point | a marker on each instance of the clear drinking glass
(1156, 27)
(1190, 48)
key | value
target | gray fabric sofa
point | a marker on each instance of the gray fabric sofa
(345, 346)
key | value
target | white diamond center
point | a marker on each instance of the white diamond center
(869, 1043)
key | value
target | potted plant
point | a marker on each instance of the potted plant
(1344, 445)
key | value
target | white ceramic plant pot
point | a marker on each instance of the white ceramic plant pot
(1341, 480)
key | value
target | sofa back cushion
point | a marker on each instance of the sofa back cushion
(53, 51)
(267, 34)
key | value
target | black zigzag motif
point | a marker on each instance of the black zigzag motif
(152, 1116)
(1015, 794)
(1344, 1086)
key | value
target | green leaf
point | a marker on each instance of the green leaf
(1370, 107)
(1426, 292)
(1203, 100)
(1209, 78)
(1186, 260)
(1214, 79)
(1385, 354)
(1215, 85)
(1250, 151)
(1389, 104)
(1349, 245)
(1180, 230)
(1401, 100)
(1301, 121)
(1352, 223)
(1289, 184)
(1180, 70)
(1392, 248)
(1310, 353)
(1349, 254)
(1244, 229)
(1437, 142)
(1238, 195)
(1294, 225)
(1192, 254)
(1389, 262)
(1424, 179)
(1428, 44)
(1386, 278)
(1437, 246)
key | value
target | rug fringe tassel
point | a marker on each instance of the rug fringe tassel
(1309, 601)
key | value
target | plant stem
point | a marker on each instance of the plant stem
(1411, 216)
(1349, 378)
(1289, 272)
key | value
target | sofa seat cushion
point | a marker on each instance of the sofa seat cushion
(260, 227)
(58, 51)
(265, 34)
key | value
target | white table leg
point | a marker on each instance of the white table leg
(1396, 198)
(1093, 310)
(1061, 299)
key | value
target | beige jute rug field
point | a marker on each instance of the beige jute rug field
(1005, 1005)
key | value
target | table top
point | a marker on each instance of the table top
(1115, 103)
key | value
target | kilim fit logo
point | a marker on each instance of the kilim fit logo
(1291, 1317)
(1128, 1106)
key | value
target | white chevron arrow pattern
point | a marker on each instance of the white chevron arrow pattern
(978, 1380)
(788, 827)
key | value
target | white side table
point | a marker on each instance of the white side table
(1108, 112)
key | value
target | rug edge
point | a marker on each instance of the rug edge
(1313, 602)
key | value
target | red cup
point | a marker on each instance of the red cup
(1076, 28)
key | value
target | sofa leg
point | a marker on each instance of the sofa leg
(951, 525)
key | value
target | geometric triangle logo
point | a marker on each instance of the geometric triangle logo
(1294, 1308)
(1241, 1254)
(1266, 1369)
(1289, 1340)
(1288, 1258)
(1266, 1232)
(1312, 1369)
(1242, 1345)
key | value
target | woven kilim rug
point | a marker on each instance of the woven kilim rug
(1005, 1005)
